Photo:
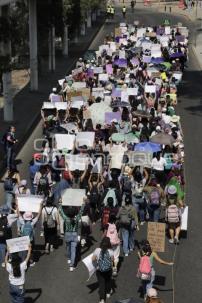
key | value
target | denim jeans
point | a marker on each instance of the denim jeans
(128, 237)
(9, 157)
(148, 284)
(71, 239)
(8, 199)
(2, 252)
(141, 211)
(16, 293)
(154, 213)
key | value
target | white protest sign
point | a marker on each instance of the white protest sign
(103, 47)
(85, 138)
(61, 105)
(76, 162)
(98, 70)
(156, 53)
(64, 141)
(48, 105)
(184, 219)
(90, 265)
(61, 81)
(98, 92)
(29, 203)
(177, 76)
(124, 96)
(117, 160)
(113, 46)
(132, 91)
(122, 24)
(150, 88)
(77, 103)
(122, 54)
(79, 85)
(103, 77)
(18, 244)
(167, 30)
(73, 197)
(141, 32)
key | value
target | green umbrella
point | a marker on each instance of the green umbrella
(131, 138)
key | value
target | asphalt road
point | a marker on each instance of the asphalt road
(50, 280)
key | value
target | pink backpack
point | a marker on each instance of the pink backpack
(113, 234)
(144, 270)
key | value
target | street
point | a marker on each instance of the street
(50, 280)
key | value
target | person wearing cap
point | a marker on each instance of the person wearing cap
(173, 214)
(27, 224)
(152, 296)
(16, 269)
(54, 96)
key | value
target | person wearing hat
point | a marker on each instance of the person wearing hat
(16, 269)
(152, 296)
(27, 224)
(173, 214)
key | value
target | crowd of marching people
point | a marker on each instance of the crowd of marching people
(129, 161)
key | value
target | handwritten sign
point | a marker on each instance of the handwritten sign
(73, 197)
(89, 265)
(29, 203)
(156, 236)
(18, 244)
(63, 141)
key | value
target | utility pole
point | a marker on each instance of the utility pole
(66, 41)
(33, 45)
(52, 48)
(5, 52)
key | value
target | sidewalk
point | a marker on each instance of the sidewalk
(27, 104)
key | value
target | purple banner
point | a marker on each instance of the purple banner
(116, 93)
(160, 30)
(109, 69)
(180, 38)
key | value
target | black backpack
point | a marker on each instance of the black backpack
(5, 231)
(43, 185)
(94, 195)
(8, 184)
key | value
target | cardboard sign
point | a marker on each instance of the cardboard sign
(132, 91)
(29, 203)
(77, 103)
(89, 265)
(73, 94)
(184, 218)
(136, 158)
(156, 236)
(18, 244)
(73, 197)
(85, 138)
(85, 92)
(98, 70)
(64, 141)
(98, 92)
(103, 77)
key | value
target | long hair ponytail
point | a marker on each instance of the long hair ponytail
(15, 263)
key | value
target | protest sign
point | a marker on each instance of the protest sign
(110, 116)
(73, 93)
(48, 105)
(61, 81)
(85, 92)
(133, 91)
(146, 59)
(98, 70)
(150, 88)
(18, 244)
(85, 138)
(64, 141)
(116, 160)
(79, 85)
(77, 103)
(141, 32)
(156, 236)
(98, 92)
(76, 162)
(177, 76)
(73, 197)
(136, 158)
(124, 96)
(109, 69)
(122, 54)
(29, 203)
(90, 265)
(103, 77)
(61, 105)
(117, 32)
(116, 93)
(103, 47)
(184, 219)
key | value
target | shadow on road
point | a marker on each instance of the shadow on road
(37, 292)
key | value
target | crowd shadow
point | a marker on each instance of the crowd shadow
(36, 292)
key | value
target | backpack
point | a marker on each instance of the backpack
(155, 197)
(105, 216)
(4, 227)
(127, 185)
(104, 261)
(94, 195)
(125, 217)
(144, 269)
(173, 214)
(27, 230)
(111, 193)
(50, 222)
(8, 184)
(113, 234)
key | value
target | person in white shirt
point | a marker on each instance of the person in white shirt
(16, 269)
(158, 165)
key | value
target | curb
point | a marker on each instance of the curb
(36, 119)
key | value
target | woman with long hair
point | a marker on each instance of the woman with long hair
(104, 258)
(16, 269)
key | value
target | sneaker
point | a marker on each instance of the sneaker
(51, 248)
(171, 241)
(126, 255)
(3, 265)
(142, 223)
(32, 264)
(71, 268)
(109, 295)
(68, 261)
(131, 249)
(176, 240)
(114, 274)
(83, 242)
(102, 301)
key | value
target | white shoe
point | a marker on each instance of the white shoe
(3, 265)
(32, 264)
(102, 301)
(68, 261)
(126, 255)
(109, 295)
(71, 268)
(83, 242)
(51, 248)
(142, 223)
(171, 241)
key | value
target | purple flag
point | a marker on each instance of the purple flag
(109, 69)
(122, 63)
(112, 116)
